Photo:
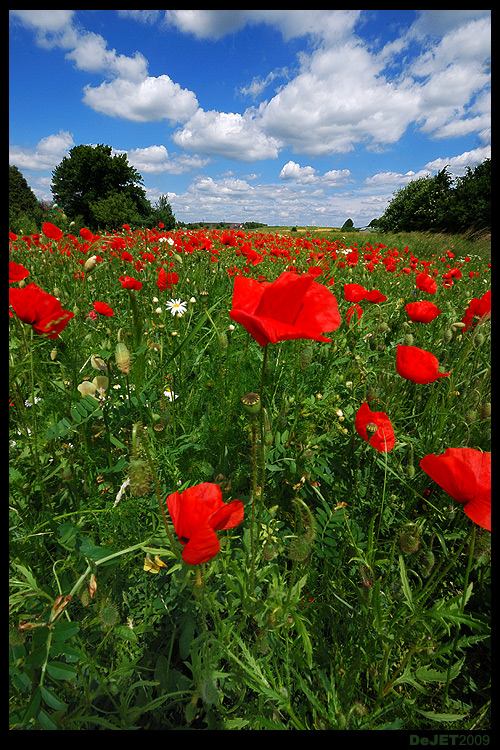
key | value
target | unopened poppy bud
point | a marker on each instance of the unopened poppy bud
(92, 585)
(122, 358)
(53, 354)
(251, 403)
(470, 416)
(426, 562)
(299, 549)
(306, 356)
(485, 411)
(90, 263)
(447, 335)
(479, 339)
(410, 471)
(409, 541)
(268, 550)
(408, 340)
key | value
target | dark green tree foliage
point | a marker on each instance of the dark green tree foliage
(24, 210)
(90, 183)
(438, 204)
(162, 213)
(472, 204)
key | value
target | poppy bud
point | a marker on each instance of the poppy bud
(408, 340)
(479, 339)
(447, 335)
(409, 540)
(268, 551)
(470, 416)
(109, 614)
(426, 561)
(251, 403)
(90, 263)
(485, 411)
(306, 356)
(299, 549)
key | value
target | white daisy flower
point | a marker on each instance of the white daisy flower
(176, 307)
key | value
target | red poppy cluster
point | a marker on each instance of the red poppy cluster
(297, 305)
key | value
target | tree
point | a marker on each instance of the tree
(422, 205)
(348, 225)
(472, 205)
(441, 204)
(89, 175)
(24, 210)
(162, 213)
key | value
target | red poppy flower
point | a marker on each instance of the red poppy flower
(51, 231)
(426, 283)
(383, 438)
(417, 365)
(465, 474)
(422, 312)
(103, 309)
(41, 310)
(354, 292)
(197, 513)
(128, 282)
(478, 309)
(292, 307)
(162, 280)
(375, 296)
(17, 272)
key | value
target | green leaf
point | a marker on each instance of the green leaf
(51, 700)
(64, 630)
(429, 674)
(123, 631)
(441, 717)
(61, 671)
(46, 721)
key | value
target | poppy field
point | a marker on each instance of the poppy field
(249, 481)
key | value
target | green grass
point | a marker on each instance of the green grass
(317, 613)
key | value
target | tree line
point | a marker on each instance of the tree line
(92, 188)
(99, 190)
(441, 203)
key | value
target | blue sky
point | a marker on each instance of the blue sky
(279, 116)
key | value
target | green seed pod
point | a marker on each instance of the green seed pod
(251, 403)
